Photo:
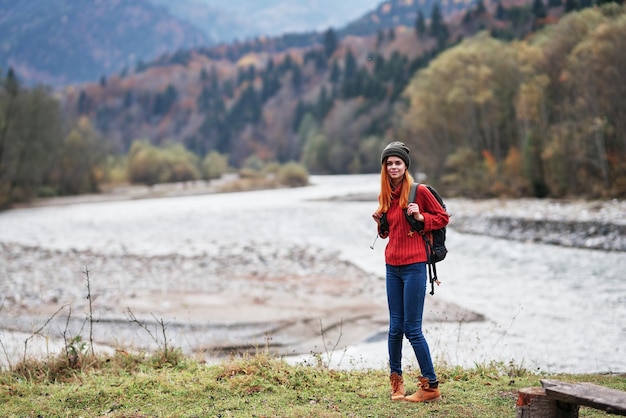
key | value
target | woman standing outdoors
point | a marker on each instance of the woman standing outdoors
(405, 259)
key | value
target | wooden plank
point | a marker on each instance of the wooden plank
(610, 400)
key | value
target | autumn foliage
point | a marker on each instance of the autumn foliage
(531, 106)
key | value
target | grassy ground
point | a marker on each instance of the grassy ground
(127, 385)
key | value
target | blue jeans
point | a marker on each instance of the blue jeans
(406, 292)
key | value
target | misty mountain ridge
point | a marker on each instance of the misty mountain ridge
(59, 42)
(239, 20)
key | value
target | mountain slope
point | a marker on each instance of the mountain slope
(60, 41)
(261, 97)
(393, 13)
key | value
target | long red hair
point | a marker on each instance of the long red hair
(384, 198)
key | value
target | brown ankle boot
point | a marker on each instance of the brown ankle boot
(425, 393)
(397, 387)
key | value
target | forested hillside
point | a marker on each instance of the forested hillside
(530, 106)
(253, 98)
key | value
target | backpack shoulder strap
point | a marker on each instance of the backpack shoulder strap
(413, 192)
(415, 225)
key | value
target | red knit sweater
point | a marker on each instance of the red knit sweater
(402, 248)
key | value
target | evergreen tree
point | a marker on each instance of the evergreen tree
(380, 68)
(251, 74)
(335, 73)
(296, 78)
(323, 105)
(11, 83)
(215, 80)
(355, 86)
(571, 5)
(420, 24)
(500, 11)
(539, 9)
(436, 20)
(128, 98)
(380, 38)
(350, 65)
(317, 56)
(299, 113)
(247, 109)
(330, 42)
(467, 17)
(163, 102)
(271, 85)
(83, 104)
(438, 28)
(286, 65)
(204, 99)
(228, 88)
(480, 8)
(204, 76)
(241, 76)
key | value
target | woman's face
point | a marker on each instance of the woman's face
(395, 168)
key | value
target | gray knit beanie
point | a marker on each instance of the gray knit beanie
(397, 149)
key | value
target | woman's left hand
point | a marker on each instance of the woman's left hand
(414, 210)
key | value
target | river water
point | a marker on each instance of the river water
(548, 308)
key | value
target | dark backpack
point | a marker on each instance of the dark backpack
(436, 249)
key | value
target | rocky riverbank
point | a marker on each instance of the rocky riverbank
(292, 299)
(573, 223)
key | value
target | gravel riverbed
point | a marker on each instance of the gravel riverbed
(572, 223)
(293, 299)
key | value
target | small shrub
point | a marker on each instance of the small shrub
(272, 168)
(46, 191)
(248, 173)
(293, 175)
(214, 165)
(149, 165)
(116, 169)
